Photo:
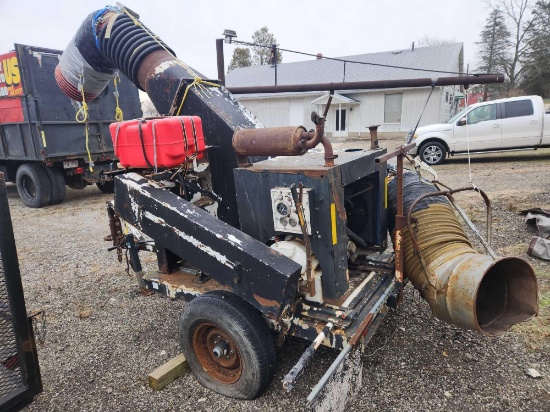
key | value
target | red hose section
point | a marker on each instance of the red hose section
(70, 89)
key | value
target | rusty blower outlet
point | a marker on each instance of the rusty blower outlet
(463, 287)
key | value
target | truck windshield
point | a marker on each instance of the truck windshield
(458, 115)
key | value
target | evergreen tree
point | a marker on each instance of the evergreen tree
(262, 55)
(493, 51)
(537, 62)
(241, 58)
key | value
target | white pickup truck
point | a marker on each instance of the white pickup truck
(506, 124)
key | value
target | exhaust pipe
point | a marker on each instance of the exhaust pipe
(463, 287)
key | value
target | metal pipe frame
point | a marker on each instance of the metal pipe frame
(376, 84)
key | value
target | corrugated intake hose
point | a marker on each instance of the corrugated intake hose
(463, 287)
(106, 41)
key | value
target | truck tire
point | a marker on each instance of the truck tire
(432, 153)
(33, 185)
(106, 187)
(228, 346)
(57, 182)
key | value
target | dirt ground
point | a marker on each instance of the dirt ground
(104, 337)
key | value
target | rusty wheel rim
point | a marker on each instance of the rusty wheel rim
(227, 368)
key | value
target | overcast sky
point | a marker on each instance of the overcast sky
(334, 28)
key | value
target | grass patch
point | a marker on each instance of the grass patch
(519, 249)
(536, 332)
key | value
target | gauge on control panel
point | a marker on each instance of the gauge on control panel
(285, 216)
(282, 209)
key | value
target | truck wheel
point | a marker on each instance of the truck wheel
(106, 187)
(432, 153)
(33, 185)
(228, 347)
(57, 182)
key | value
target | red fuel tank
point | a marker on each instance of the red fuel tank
(158, 142)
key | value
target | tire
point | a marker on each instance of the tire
(107, 187)
(432, 153)
(57, 182)
(221, 320)
(33, 185)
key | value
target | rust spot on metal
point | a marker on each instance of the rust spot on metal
(272, 141)
(28, 345)
(266, 302)
(149, 65)
(217, 353)
(181, 280)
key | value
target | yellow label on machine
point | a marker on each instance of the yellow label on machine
(333, 220)
(43, 138)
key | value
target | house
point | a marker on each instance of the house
(352, 111)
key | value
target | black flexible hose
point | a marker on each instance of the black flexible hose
(127, 45)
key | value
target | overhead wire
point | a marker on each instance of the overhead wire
(339, 59)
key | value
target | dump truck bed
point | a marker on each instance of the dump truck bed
(37, 121)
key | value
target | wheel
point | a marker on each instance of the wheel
(228, 346)
(57, 182)
(107, 187)
(432, 153)
(33, 185)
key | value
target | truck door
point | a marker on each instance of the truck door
(482, 130)
(521, 124)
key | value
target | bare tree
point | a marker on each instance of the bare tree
(517, 15)
(536, 79)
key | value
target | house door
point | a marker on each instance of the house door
(296, 115)
(340, 122)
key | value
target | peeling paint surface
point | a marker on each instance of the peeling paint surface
(217, 255)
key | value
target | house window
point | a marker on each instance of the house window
(392, 108)
(341, 120)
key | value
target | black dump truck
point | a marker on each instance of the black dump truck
(44, 146)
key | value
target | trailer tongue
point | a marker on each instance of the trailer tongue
(293, 244)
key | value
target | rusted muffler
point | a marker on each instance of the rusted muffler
(283, 141)
(271, 141)
(488, 294)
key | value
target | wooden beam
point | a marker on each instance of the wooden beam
(167, 373)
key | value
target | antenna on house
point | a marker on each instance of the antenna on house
(412, 47)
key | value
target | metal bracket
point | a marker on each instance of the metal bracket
(38, 318)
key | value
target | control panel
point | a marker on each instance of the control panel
(285, 218)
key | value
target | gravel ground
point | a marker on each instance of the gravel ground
(104, 337)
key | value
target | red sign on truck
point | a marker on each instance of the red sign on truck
(10, 77)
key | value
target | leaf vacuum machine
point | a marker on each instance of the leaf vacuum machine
(269, 232)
